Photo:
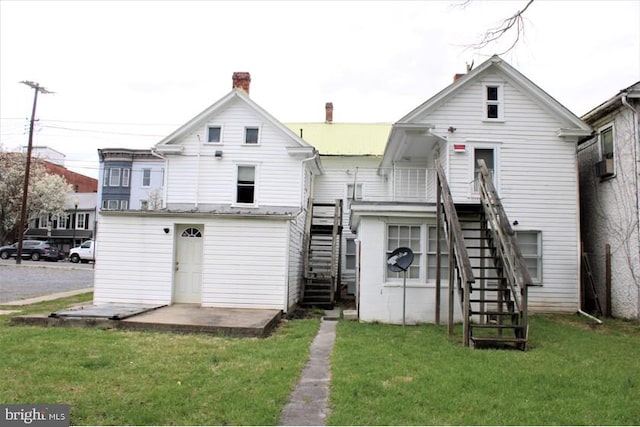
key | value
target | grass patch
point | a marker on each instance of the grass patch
(112, 377)
(574, 373)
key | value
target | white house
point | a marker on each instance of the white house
(610, 210)
(528, 143)
(230, 233)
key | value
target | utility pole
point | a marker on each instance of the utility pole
(23, 213)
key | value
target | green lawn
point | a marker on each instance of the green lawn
(113, 377)
(574, 373)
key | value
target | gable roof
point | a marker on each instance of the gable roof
(613, 103)
(518, 79)
(236, 94)
(344, 139)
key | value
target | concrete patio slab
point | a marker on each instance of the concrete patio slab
(175, 318)
(193, 318)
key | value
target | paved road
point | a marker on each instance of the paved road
(36, 278)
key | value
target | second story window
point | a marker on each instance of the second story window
(606, 143)
(126, 173)
(251, 135)
(246, 184)
(214, 134)
(493, 108)
(146, 177)
(114, 177)
(82, 221)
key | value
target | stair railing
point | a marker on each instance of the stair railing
(335, 248)
(515, 268)
(306, 242)
(460, 254)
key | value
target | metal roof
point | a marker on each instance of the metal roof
(346, 139)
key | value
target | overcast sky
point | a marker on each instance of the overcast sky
(126, 74)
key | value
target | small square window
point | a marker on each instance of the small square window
(251, 135)
(492, 93)
(213, 134)
(492, 111)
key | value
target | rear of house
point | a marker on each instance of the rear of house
(230, 230)
(527, 141)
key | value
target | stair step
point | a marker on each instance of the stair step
(494, 313)
(494, 326)
(505, 340)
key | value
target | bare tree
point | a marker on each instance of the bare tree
(513, 25)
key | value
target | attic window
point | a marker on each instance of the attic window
(251, 135)
(213, 134)
(493, 102)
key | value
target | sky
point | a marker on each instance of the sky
(126, 74)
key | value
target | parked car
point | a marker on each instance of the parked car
(34, 249)
(85, 252)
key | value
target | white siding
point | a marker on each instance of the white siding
(197, 176)
(134, 261)
(382, 301)
(245, 263)
(537, 179)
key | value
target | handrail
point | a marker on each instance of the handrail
(507, 247)
(335, 251)
(462, 256)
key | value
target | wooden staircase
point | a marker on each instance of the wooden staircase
(322, 255)
(492, 277)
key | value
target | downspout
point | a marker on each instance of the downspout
(636, 153)
(166, 172)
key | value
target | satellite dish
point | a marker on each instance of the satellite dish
(400, 259)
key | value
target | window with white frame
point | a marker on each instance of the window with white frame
(214, 134)
(126, 174)
(114, 177)
(408, 236)
(251, 134)
(43, 221)
(350, 254)
(530, 243)
(144, 205)
(246, 184)
(124, 205)
(432, 254)
(146, 177)
(82, 221)
(493, 105)
(607, 148)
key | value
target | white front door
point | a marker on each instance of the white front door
(187, 287)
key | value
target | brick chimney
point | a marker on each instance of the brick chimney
(242, 80)
(328, 117)
(458, 76)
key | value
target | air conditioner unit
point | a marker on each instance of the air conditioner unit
(604, 168)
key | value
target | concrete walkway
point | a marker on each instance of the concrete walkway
(308, 404)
